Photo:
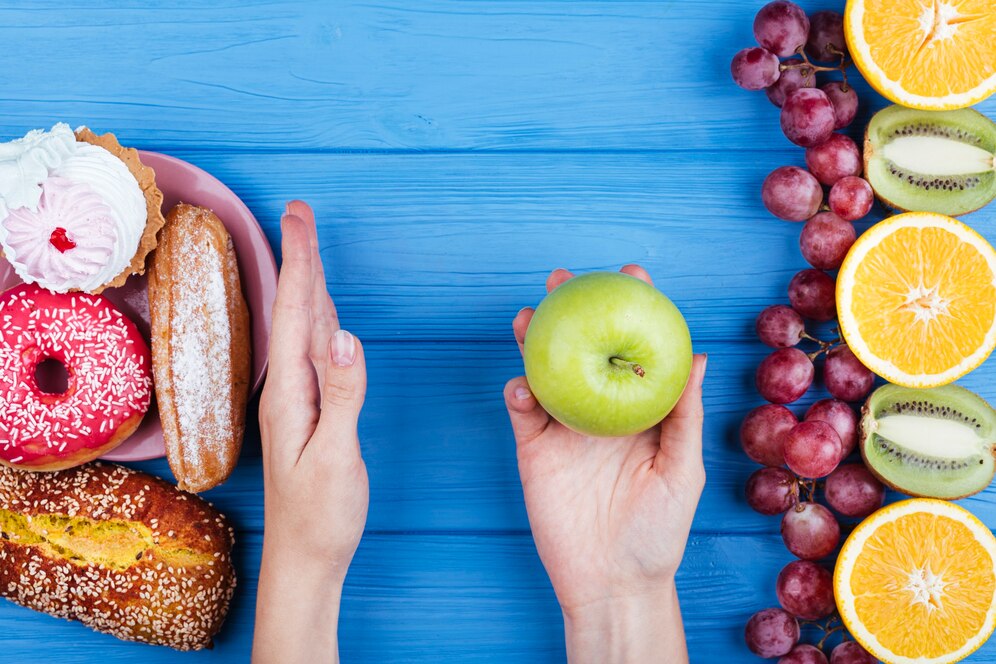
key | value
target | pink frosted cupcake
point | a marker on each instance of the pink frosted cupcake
(78, 212)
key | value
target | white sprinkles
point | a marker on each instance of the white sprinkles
(110, 378)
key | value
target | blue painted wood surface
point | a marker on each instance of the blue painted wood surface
(456, 151)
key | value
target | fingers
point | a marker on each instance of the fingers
(520, 324)
(289, 363)
(300, 209)
(324, 309)
(681, 431)
(638, 272)
(557, 277)
(323, 315)
(344, 389)
(528, 418)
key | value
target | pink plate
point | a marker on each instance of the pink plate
(180, 181)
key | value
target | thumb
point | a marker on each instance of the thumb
(528, 418)
(343, 391)
(681, 430)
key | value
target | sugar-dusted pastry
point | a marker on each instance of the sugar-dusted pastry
(200, 346)
(108, 378)
(122, 552)
(78, 212)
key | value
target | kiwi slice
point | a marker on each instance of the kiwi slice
(931, 161)
(934, 443)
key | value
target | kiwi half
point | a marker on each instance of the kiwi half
(931, 161)
(934, 443)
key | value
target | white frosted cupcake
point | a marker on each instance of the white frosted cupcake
(78, 212)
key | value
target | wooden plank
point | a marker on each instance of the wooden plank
(444, 247)
(395, 75)
(459, 598)
(441, 456)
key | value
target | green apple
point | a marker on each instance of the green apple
(607, 354)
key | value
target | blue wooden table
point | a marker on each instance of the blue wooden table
(456, 151)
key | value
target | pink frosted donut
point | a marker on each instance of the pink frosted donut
(108, 376)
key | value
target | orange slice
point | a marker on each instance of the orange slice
(916, 299)
(916, 582)
(928, 54)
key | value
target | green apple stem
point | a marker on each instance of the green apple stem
(626, 364)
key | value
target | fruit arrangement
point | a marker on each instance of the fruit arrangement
(901, 300)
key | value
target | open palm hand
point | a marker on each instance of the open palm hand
(610, 516)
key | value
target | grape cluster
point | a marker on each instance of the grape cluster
(810, 115)
(800, 457)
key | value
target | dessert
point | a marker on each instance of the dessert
(200, 347)
(78, 212)
(108, 383)
(122, 552)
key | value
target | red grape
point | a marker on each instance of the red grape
(807, 117)
(791, 193)
(833, 160)
(851, 652)
(812, 449)
(804, 654)
(810, 531)
(826, 36)
(851, 198)
(825, 240)
(755, 68)
(780, 326)
(785, 375)
(782, 28)
(763, 431)
(852, 490)
(845, 102)
(795, 74)
(805, 590)
(771, 633)
(772, 491)
(813, 294)
(841, 417)
(845, 377)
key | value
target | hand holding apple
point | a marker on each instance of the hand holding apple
(611, 516)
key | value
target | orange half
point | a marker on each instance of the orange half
(916, 299)
(927, 54)
(916, 583)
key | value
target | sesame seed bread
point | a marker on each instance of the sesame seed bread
(200, 347)
(121, 551)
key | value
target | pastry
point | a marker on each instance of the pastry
(78, 212)
(107, 369)
(122, 552)
(200, 347)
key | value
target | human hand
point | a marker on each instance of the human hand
(611, 517)
(314, 479)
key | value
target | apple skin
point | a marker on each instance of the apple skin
(577, 330)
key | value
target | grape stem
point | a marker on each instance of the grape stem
(826, 635)
(823, 344)
(806, 62)
(809, 486)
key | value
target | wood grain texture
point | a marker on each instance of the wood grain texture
(456, 151)
(450, 247)
(389, 75)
